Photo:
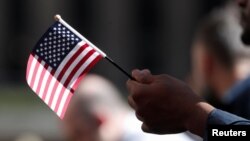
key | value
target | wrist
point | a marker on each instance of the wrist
(197, 119)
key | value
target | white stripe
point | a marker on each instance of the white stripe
(58, 92)
(44, 82)
(73, 65)
(63, 101)
(31, 71)
(67, 73)
(67, 58)
(81, 69)
(38, 75)
(51, 86)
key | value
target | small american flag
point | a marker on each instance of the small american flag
(57, 63)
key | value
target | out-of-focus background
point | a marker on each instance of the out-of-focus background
(154, 34)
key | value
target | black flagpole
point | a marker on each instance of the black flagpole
(120, 68)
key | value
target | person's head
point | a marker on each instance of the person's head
(100, 105)
(217, 50)
(81, 124)
(245, 20)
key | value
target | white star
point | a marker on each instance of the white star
(45, 48)
(68, 43)
(45, 44)
(46, 57)
(72, 35)
(50, 38)
(54, 42)
(68, 32)
(54, 28)
(41, 45)
(50, 61)
(59, 41)
(50, 43)
(55, 64)
(50, 52)
(72, 43)
(45, 53)
(63, 44)
(50, 33)
(77, 39)
(68, 48)
(41, 54)
(50, 56)
(54, 60)
(59, 45)
(63, 49)
(45, 39)
(59, 24)
(54, 50)
(58, 54)
(58, 59)
(63, 53)
(37, 50)
(41, 49)
(54, 37)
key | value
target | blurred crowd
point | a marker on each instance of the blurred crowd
(219, 63)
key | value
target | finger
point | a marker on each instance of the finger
(137, 90)
(145, 128)
(131, 102)
(143, 76)
(138, 116)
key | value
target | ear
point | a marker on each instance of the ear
(100, 119)
(208, 65)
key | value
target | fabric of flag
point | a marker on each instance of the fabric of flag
(57, 64)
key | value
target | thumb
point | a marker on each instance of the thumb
(143, 76)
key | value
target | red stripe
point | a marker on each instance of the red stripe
(55, 87)
(31, 57)
(72, 59)
(66, 105)
(97, 59)
(83, 60)
(59, 100)
(41, 78)
(85, 71)
(53, 92)
(47, 84)
(34, 75)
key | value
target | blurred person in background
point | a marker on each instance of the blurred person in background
(80, 124)
(221, 63)
(98, 112)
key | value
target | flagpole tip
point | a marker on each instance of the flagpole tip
(57, 17)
